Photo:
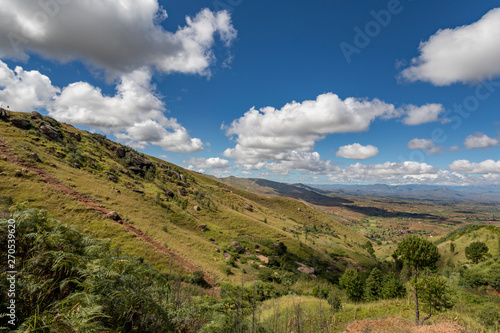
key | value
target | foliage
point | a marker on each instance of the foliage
(483, 274)
(392, 287)
(68, 282)
(352, 283)
(373, 285)
(476, 251)
(335, 300)
(418, 254)
(434, 294)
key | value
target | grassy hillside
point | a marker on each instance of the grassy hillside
(176, 219)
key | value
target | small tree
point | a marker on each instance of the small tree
(434, 294)
(373, 285)
(352, 284)
(476, 251)
(369, 248)
(417, 253)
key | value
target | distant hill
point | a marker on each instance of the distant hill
(484, 194)
(297, 191)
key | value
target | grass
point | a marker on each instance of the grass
(226, 218)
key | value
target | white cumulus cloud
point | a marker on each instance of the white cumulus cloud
(208, 163)
(420, 144)
(270, 134)
(357, 151)
(417, 115)
(25, 90)
(119, 36)
(484, 167)
(467, 53)
(479, 140)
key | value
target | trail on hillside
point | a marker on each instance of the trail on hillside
(12, 158)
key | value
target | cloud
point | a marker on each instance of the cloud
(24, 90)
(270, 134)
(485, 167)
(208, 163)
(134, 114)
(479, 140)
(465, 54)
(417, 115)
(410, 172)
(357, 151)
(423, 144)
(119, 36)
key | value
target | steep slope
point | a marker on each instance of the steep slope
(178, 220)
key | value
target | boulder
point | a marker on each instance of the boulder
(248, 207)
(76, 136)
(112, 177)
(113, 216)
(262, 258)
(217, 249)
(21, 123)
(181, 191)
(197, 208)
(239, 249)
(256, 246)
(304, 268)
(120, 152)
(35, 157)
(202, 226)
(36, 115)
(49, 132)
(169, 193)
(136, 190)
(234, 243)
(3, 114)
(136, 170)
(227, 256)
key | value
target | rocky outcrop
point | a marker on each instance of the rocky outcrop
(3, 114)
(197, 208)
(49, 132)
(181, 191)
(21, 123)
(248, 207)
(239, 249)
(304, 268)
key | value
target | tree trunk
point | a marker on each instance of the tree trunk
(425, 318)
(417, 313)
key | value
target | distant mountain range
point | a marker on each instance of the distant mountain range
(420, 192)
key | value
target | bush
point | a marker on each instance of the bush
(392, 287)
(352, 283)
(476, 251)
(335, 300)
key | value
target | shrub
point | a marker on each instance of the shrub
(476, 251)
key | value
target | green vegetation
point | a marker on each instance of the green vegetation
(190, 253)
(476, 251)
(418, 254)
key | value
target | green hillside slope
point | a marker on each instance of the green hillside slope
(176, 219)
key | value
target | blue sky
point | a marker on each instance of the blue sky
(317, 91)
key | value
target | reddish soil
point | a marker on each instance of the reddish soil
(388, 325)
(12, 158)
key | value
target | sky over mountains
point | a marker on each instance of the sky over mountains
(395, 92)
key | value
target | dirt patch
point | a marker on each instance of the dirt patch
(12, 158)
(388, 325)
